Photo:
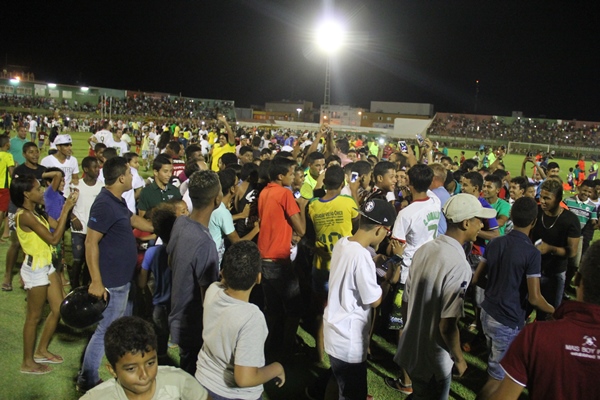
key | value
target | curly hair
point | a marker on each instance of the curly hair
(128, 335)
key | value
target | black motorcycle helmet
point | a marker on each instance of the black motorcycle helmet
(80, 309)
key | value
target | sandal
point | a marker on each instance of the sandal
(41, 370)
(55, 359)
(6, 287)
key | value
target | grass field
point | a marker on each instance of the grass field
(300, 372)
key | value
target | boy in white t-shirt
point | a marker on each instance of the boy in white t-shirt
(231, 363)
(88, 189)
(353, 291)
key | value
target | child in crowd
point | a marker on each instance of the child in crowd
(130, 347)
(37, 272)
(231, 363)
(156, 261)
(53, 202)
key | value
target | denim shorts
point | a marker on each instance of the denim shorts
(34, 278)
(499, 337)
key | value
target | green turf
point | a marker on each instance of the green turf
(301, 372)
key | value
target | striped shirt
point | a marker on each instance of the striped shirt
(584, 211)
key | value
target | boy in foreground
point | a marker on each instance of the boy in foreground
(130, 347)
(231, 363)
(353, 291)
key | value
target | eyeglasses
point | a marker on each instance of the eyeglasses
(389, 231)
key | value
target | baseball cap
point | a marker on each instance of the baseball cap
(63, 139)
(379, 211)
(465, 206)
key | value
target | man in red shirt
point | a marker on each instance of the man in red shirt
(280, 216)
(559, 359)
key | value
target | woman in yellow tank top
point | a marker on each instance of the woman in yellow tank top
(41, 283)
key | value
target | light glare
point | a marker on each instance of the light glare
(330, 36)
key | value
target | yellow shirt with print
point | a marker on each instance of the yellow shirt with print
(332, 220)
(6, 161)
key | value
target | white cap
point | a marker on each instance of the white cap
(287, 148)
(63, 139)
(463, 206)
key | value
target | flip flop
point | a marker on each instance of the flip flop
(55, 359)
(6, 287)
(44, 369)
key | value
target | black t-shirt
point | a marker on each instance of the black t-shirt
(22, 170)
(555, 231)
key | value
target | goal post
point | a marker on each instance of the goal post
(524, 148)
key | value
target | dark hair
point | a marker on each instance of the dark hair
(113, 169)
(283, 154)
(366, 224)
(348, 168)
(279, 166)
(174, 146)
(163, 218)
(523, 212)
(343, 145)
(587, 182)
(27, 145)
(589, 269)
(100, 146)
(265, 151)
(468, 164)
(475, 178)
(130, 156)
(331, 158)
(553, 186)
(446, 158)
(500, 173)
(18, 186)
(334, 177)
(53, 169)
(249, 173)
(521, 181)
(203, 188)
(420, 177)
(128, 335)
(191, 149)
(4, 139)
(241, 265)
(372, 159)
(495, 179)
(109, 153)
(191, 166)
(87, 162)
(256, 141)
(314, 156)
(237, 168)
(552, 165)
(381, 168)
(362, 167)
(159, 161)
(245, 149)
(227, 179)
(228, 159)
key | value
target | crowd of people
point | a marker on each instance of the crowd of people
(141, 105)
(245, 234)
(528, 130)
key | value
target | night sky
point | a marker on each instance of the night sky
(539, 57)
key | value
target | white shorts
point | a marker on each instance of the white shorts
(39, 277)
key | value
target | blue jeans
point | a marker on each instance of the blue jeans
(499, 337)
(117, 307)
(552, 287)
(432, 389)
(351, 379)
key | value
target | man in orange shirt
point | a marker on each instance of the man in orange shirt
(280, 216)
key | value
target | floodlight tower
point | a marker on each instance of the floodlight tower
(330, 38)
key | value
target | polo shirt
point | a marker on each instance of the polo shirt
(276, 205)
(558, 359)
(584, 211)
(110, 216)
(16, 149)
(152, 195)
(502, 208)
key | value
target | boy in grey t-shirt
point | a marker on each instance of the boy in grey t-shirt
(231, 363)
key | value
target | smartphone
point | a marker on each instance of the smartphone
(538, 242)
(402, 145)
(354, 177)
(420, 139)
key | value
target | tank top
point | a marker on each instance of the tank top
(33, 245)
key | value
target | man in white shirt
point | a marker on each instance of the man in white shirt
(121, 146)
(64, 160)
(102, 136)
(33, 129)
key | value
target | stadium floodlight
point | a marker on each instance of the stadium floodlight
(330, 36)
(15, 81)
(85, 88)
(52, 85)
(299, 110)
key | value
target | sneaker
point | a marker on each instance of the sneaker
(398, 386)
